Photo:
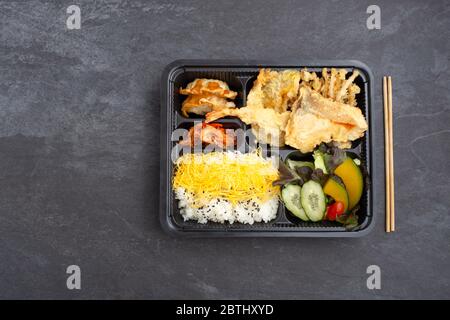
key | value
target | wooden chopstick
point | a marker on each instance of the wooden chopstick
(386, 155)
(389, 154)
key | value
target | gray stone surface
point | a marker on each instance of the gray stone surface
(79, 149)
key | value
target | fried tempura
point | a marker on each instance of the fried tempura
(268, 124)
(301, 109)
(316, 119)
(274, 90)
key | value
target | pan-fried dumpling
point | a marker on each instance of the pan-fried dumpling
(203, 103)
(209, 86)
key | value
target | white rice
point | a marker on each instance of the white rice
(221, 210)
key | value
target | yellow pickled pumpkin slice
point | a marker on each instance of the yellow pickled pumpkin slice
(352, 177)
(333, 189)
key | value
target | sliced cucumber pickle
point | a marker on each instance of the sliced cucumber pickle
(313, 200)
(291, 198)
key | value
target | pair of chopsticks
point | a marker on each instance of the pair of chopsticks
(389, 154)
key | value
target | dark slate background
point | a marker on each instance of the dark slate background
(79, 149)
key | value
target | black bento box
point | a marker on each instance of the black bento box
(240, 76)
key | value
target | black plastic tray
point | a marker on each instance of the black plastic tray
(240, 76)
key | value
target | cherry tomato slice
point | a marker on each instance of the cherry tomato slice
(335, 210)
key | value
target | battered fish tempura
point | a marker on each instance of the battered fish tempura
(316, 119)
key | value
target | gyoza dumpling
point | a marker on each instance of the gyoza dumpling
(203, 103)
(209, 86)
